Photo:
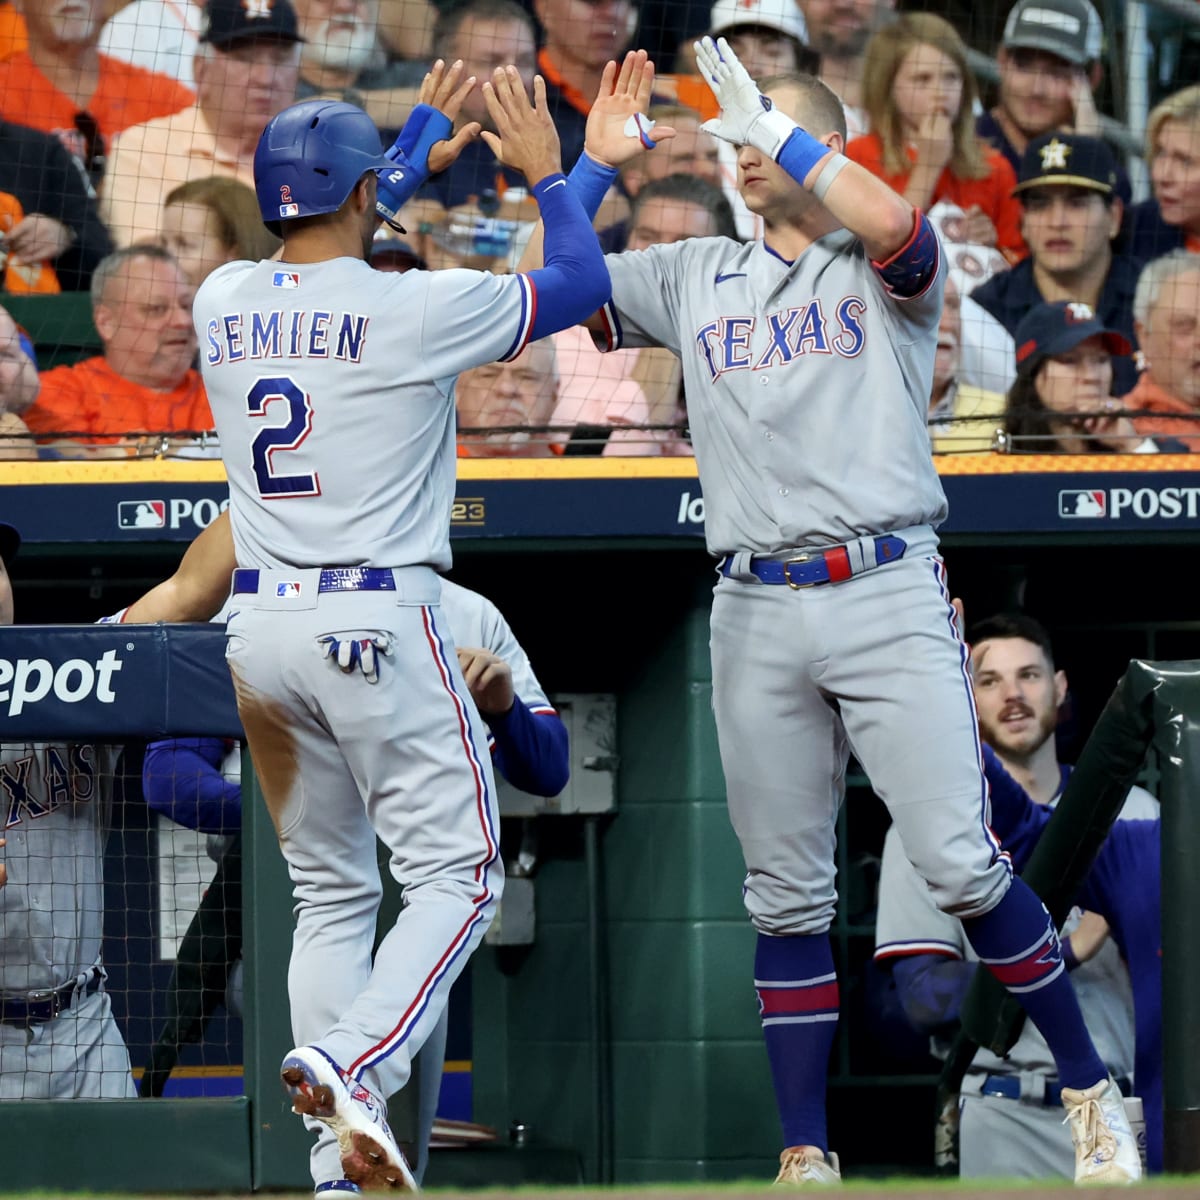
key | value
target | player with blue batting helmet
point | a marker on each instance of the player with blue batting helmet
(309, 158)
(311, 155)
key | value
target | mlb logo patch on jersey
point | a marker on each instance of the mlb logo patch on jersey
(141, 514)
(286, 279)
(287, 591)
(1077, 502)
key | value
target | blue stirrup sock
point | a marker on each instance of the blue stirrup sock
(1018, 943)
(798, 1001)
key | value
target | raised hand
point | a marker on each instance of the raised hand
(747, 117)
(444, 89)
(526, 139)
(617, 130)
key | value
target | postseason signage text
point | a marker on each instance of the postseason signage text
(633, 502)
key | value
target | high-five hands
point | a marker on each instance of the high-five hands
(525, 137)
(617, 127)
(748, 118)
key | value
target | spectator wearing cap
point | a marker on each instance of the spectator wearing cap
(1061, 402)
(158, 35)
(838, 33)
(1049, 60)
(246, 69)
(1170, 219)
(144, 382)
(769, 38)
(62, 84)
(1166, 311)
(1070, 217)
(50, 225)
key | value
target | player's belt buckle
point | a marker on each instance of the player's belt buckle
(51, 996)
(806, 557)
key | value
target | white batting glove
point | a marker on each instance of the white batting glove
(748, 118)
(362, 653)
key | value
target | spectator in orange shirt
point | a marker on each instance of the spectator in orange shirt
(62, 84)
(920, 96)
(12, 30)
(143, 383)
(1166, 315)
(246, 70)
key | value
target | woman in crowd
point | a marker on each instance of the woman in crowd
(1170, 219)
(919, 95)
(1062, 402)
(212, 221)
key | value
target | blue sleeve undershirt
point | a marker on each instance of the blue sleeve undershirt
(181, 778)
(530, 749)
(574, 282)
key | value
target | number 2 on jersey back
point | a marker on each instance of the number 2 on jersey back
(278, 438)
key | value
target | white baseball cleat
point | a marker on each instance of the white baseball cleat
(1105, 1149)
(803, 1166)
(370, 1157)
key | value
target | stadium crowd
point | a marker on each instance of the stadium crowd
(134, 124)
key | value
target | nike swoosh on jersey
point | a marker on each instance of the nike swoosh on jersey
(732, 275)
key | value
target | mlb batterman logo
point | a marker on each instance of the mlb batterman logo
(1080, 502)
(286, 279)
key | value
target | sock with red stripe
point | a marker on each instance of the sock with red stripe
(1018, 943)
(798, 1000)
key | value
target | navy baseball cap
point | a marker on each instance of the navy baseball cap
(10, 542)
(1067, 160)
(1068, 29)
(229, 21)
(1051, 329)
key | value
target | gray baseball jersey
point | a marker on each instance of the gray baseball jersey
(998, 1135)
(332, 388)
(58, 805)
(807, 386)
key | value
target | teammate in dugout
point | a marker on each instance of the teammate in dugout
(338, 428)
(58, 1037)
(1010, 1116)
(807, 360)
(183, 777)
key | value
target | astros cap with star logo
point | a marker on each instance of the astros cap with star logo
(1067, 160)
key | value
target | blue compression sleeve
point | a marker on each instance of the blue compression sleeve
(531, 749)
(574, 283)
(590, 182)
(932, 988)
(181, 778)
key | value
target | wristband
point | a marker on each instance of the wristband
(829, 172)
(800, 153)
(590, 181)
(1068, 954)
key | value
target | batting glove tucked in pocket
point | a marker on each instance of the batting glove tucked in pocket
(351, 652)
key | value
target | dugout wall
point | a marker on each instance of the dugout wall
(668, 1080)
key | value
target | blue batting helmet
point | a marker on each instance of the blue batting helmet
(309, 158)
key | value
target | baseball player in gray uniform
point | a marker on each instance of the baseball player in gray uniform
(58, 1038)
(806, 361)
(526, 736)
(332, 389)
(1011, 1117)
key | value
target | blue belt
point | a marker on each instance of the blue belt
(38, 1007)
(1009, 1086)
(814, 567)
(333, 579)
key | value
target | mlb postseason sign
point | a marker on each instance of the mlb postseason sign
(588, 498)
